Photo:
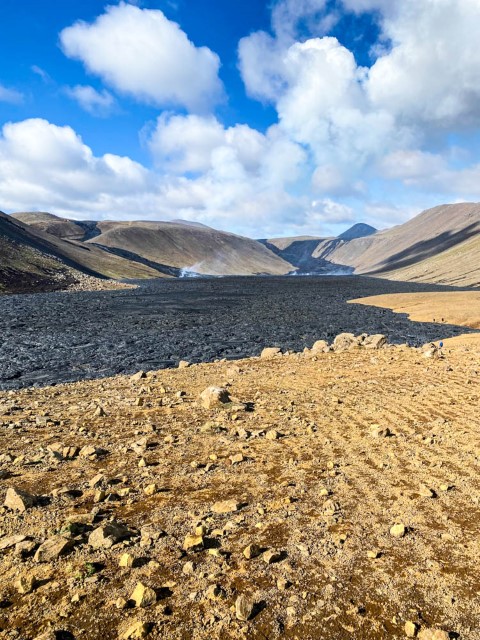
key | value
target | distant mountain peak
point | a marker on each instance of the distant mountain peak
(359, 230)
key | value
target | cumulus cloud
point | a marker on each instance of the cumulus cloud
(139, 52)
(10, 95)
(97, 103)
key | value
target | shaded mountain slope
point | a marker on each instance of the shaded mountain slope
(192, 248)
(30, 257)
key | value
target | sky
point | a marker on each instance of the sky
(278, 118)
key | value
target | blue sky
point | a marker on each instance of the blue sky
(265, 118)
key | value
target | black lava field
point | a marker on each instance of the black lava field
(50, 338)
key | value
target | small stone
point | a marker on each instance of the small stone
(126, 560)
(138, 376)
(213, 397)
(411, 629)
(244, 607)
(193, 543)
(426, 492)
(225, 506)
(96, 481)
(433, 634)
(373, 554)
(282, 584)
(376, 431)
(121, 603)
(270, 352)
(446, 487)
(188, 569)
(252, 551)
(143, 596)
(237, 458)
(88, 451)
(139, 402)
(99, 412)
(26, 584)
(99, 496)
(137, 629)
(107, 535)
(183, 364)
(11, 541)
(271, 556)
(213, 592)
(151, 490)
(53, 548)
(18, 500)
(398, 530)
(272, 434)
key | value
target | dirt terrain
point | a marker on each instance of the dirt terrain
(318, 456)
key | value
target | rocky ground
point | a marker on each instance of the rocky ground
(60, 337)
(328, 495)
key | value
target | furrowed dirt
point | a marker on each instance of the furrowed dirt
(318, 457)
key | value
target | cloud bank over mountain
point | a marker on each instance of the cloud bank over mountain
(377, 141)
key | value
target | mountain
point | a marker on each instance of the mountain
(154, 249)
(439, 245)
(191, 248)
(32, 259)
(310, 254)
(359, 230)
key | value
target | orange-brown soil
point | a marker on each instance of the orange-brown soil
(325, 494)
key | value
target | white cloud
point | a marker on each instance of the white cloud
(139, 52)
(10, 95)
(97, 103)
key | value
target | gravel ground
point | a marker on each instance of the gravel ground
(60, 337)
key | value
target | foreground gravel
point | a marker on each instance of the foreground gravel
(60, 337)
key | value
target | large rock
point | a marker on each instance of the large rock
(270, 352)
(225, 506)
(53, 548)
(213, 397)
(143, 596)
(320, 346)
(344, 342)
(376, 341)
(244, 606)
(107, 535)
(18, 500)
(433, 634)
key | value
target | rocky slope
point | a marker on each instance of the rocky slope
(440, 245)
(319, 496)
(32, 260)
(176, 248)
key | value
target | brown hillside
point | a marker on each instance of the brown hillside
(30, 258)
(198, 249)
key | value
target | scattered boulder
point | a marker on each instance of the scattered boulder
(143, 596)
(11, 541)
(193, 543)
(225, 506)
(18, 500)
(252, 551)
(183, 364)
(244, 606)
(136, 629)
(320, 346)
(26, 584)
(433, 634)
(213, 397)
(141, 375)
(107, 535)
(270, 352)
(411, 629)
(271, 556)
(376, 341)
(344, 342)
(53, 548)
(398, 530)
